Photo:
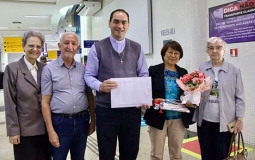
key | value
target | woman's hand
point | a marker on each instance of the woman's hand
(158, 99)
(238, 126)
(14, 139)
(189, 104)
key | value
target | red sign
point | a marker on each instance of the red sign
(240, 6)
(234, 52)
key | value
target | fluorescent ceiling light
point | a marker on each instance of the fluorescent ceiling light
(33, 16)
(3, 28)
(11, 36)
(39, 27)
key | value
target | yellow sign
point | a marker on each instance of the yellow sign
(52, 54)
(13, 45)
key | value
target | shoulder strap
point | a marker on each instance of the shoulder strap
(233, 140)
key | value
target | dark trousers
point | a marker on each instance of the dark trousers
(214, 144)
(72, 134)
(33, 148)
(121, 123)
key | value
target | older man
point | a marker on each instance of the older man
(66, 101)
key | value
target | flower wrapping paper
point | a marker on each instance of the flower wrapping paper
(193, 96)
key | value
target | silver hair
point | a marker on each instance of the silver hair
(217, 39)
(32, 33)
(61, 38)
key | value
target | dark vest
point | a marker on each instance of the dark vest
(111, 67)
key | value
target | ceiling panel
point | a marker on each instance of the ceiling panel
(31, 1)
(16, 10)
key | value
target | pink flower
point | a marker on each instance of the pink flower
(197, 71)
(195, 80)
(184, 80)
(201, 75)
(201, 80)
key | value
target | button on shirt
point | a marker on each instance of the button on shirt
(32, 68)
(66, 86)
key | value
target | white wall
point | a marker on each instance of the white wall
(190, 32)
(190, 20)
(138, 14)
(245, 60)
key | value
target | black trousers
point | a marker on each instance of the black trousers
(214, 144)
(122, 124)
(33, 148)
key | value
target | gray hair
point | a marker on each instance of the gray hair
(32, 33)
(217, 39)
(72, 33)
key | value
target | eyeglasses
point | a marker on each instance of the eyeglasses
(174, 53)
(33, 46)
(218, 48)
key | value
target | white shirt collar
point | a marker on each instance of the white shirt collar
(29, 65)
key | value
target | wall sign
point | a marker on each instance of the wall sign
(89, 43)
(234, 22)
(167, 32)
(234, 52)
(13, 45)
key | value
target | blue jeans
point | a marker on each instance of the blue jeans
(72, 134)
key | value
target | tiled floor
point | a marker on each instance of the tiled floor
(6, 152)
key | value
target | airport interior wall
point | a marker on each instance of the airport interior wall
(189, 20)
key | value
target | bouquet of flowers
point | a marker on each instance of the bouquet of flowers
(193, 85)
(170, 104)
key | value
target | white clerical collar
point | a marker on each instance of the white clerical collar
(116, 41)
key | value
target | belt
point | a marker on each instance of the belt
(75, 115)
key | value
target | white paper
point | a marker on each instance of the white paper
(175, 107)
(131, 92)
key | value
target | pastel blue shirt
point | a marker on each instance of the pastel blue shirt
(66, 86)
(93, 64)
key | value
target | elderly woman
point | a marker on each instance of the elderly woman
(164, 86)
(24, 120)
(220, 105)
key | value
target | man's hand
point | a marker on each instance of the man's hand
(92, 127)
(53, 138)
(107, 86)
(14, 139)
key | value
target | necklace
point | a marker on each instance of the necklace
(121, 56)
